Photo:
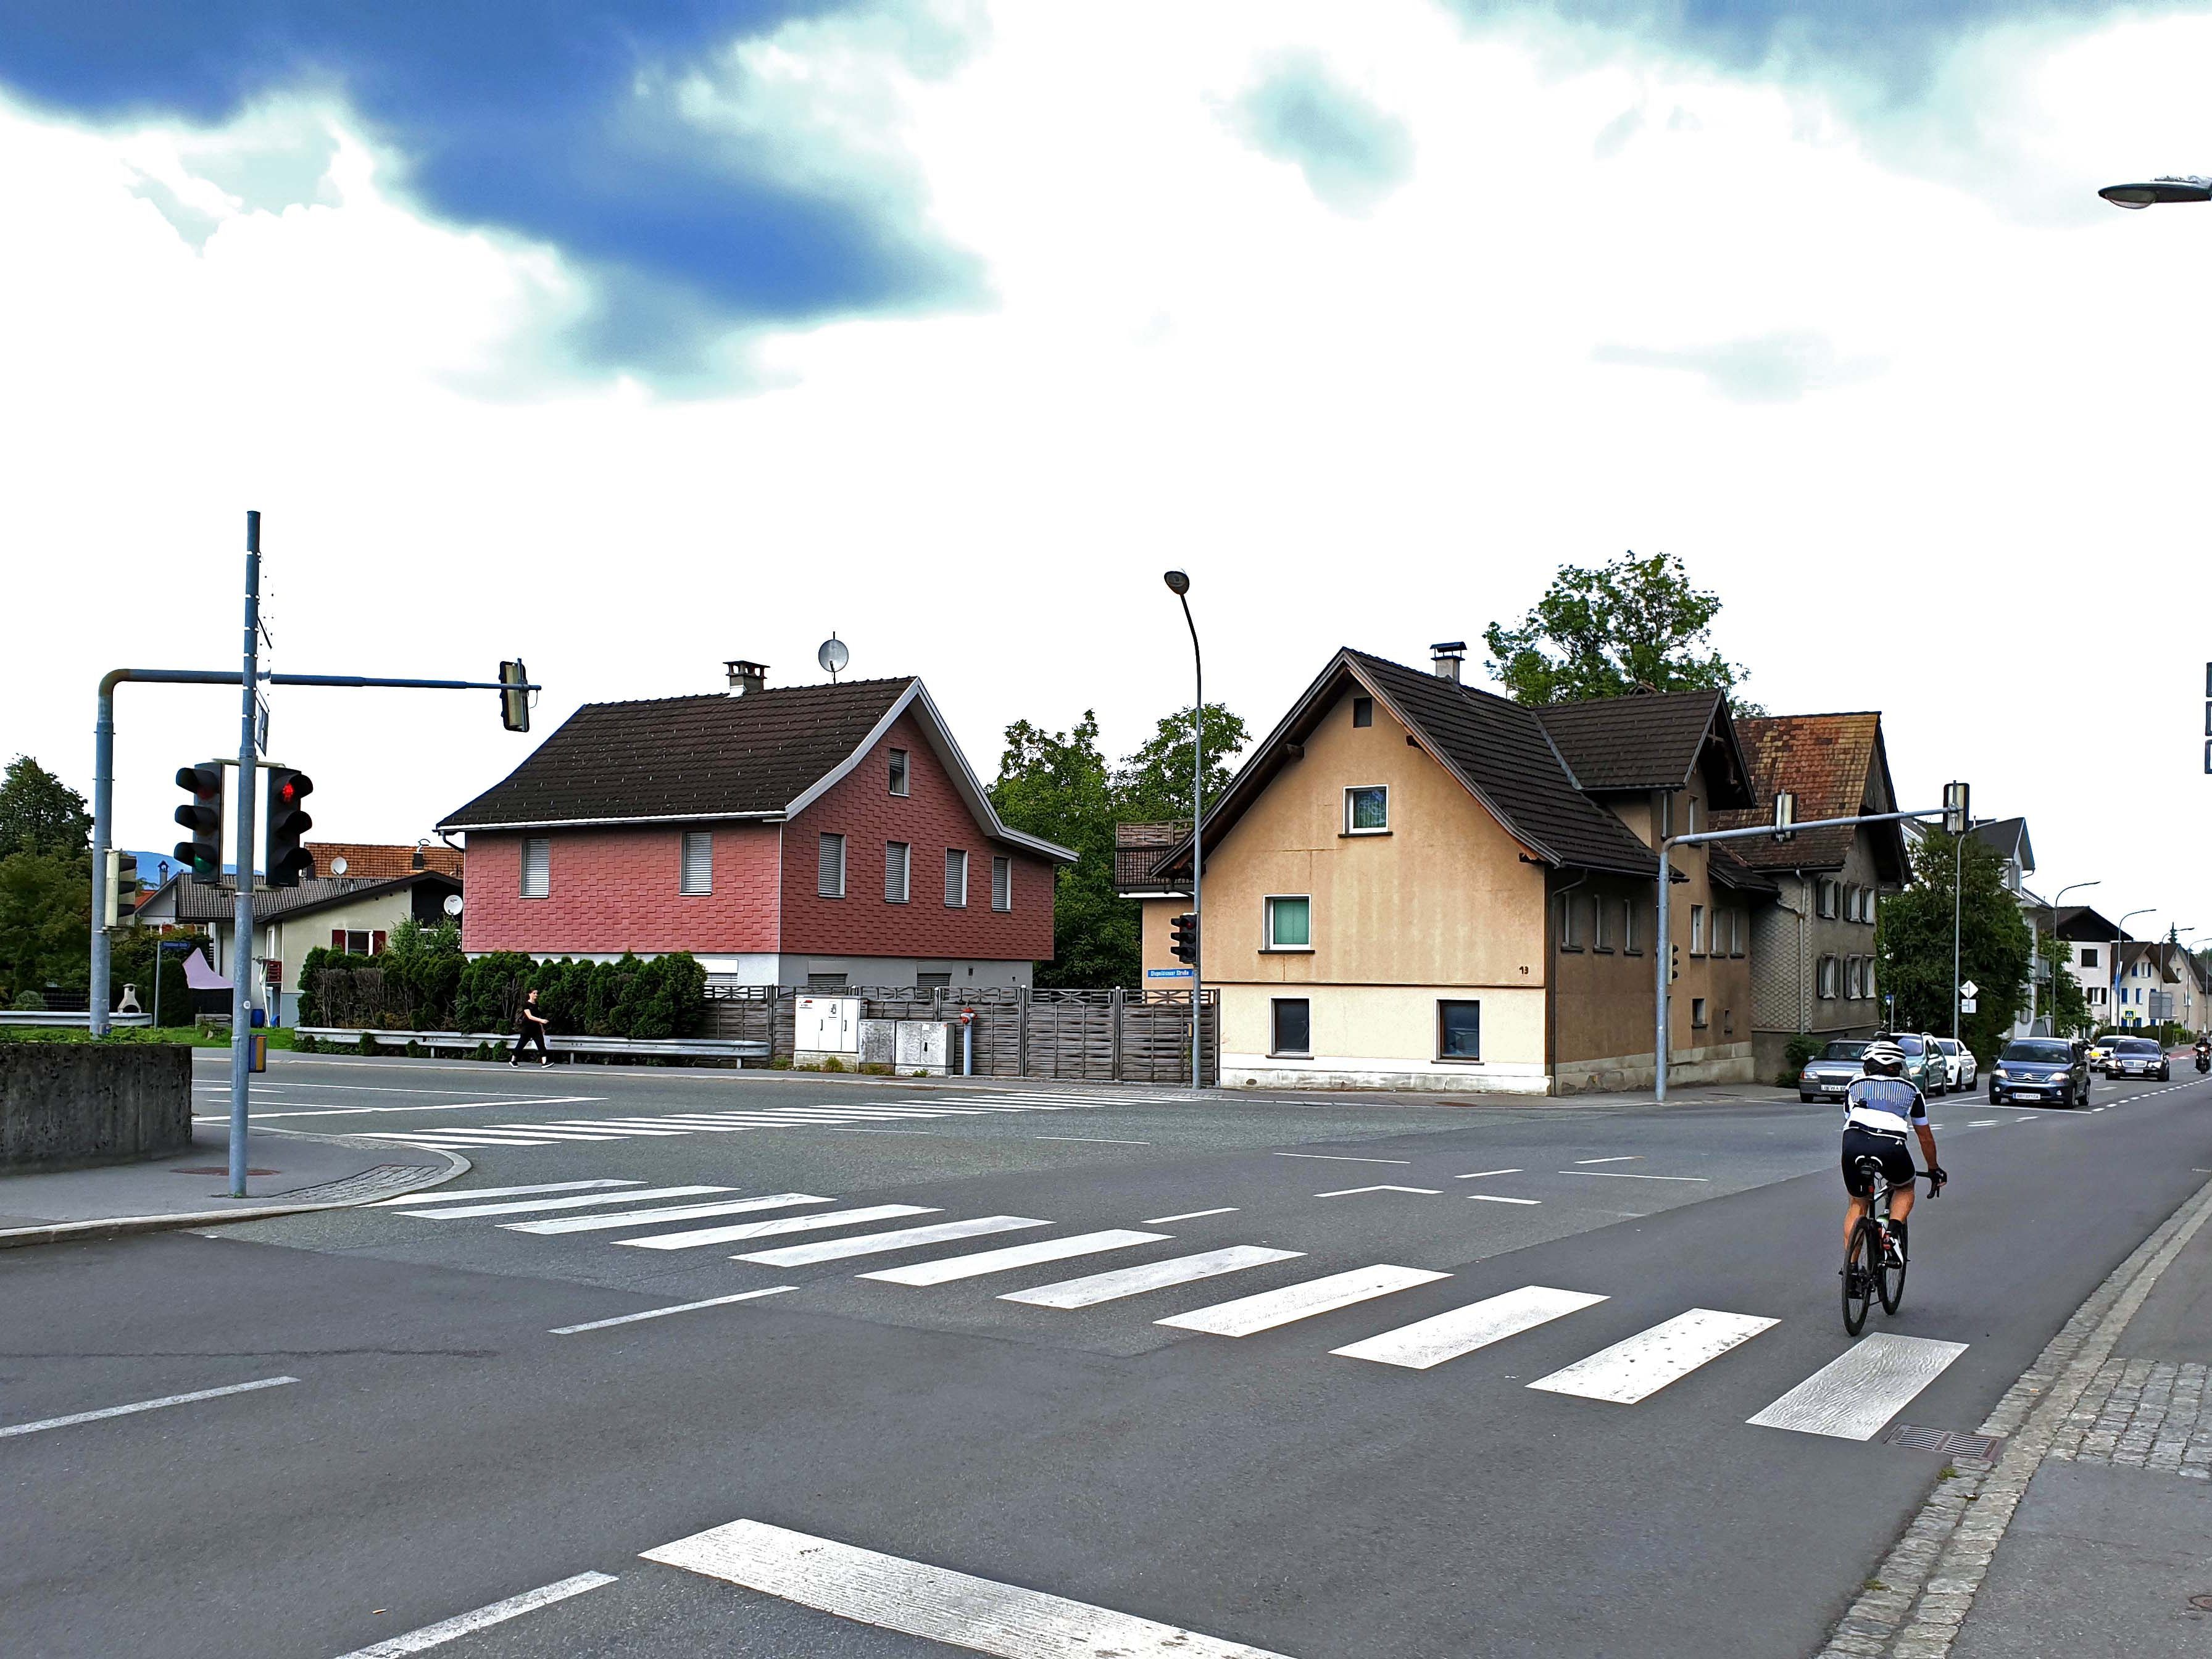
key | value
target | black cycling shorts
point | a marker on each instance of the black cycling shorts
(1895, 1158)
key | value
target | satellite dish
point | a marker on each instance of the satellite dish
(833, 656)
(337, 867)
(452, 904)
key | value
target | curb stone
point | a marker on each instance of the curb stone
(105, 1227)
(1935, 1571)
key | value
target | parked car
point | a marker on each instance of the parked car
(1964, 1068)
(2138, 1057)
(2040, 1068)
(1925, 1067)
(1833, 1070)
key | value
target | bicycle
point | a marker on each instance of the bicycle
(1868, 1270)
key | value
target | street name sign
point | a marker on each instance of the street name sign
(1167, 973)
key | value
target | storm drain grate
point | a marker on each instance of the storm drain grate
(1947, 1443)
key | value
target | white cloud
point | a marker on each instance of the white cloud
(1379, 430)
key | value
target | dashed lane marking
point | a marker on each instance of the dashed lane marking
(498, 1613)
(663, 1313)
(1337, 1158)
(136, 1406)
(1187, 1215)
(1350, 1192)
(1631, 1175)
(1477, 1175)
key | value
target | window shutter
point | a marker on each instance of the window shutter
(698, 875)
(376, 943)
(1002, 883)
(832, 878)
(956, 879)
(895, 856)
(537, 867)
(337, 940)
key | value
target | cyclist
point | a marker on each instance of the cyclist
(1878, 1109)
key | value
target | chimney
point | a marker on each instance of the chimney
(745, 676)
(1446, 657)
(419, 859)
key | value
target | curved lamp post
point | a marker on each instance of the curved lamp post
(2119, 933)
(2072, 887)
(2156, 192)
(1179, 585)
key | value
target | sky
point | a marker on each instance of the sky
(628, 339)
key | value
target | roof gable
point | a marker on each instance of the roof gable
(1837, 767)
(1654, 740)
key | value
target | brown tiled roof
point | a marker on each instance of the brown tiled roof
(1729, 870)
(674, 757)
(1138, 846)
(381, 862)
(1652, 741)
(1832, 763)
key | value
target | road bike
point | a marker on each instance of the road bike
(1870, 1269)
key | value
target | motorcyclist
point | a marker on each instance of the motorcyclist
(2204, 1054)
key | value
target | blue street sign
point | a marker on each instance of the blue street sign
(1167, 973)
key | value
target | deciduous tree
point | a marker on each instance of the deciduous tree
(40, 812)
(1913, 946)
(1607, 632)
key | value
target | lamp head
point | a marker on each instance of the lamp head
(1177, 582)
(2154, 191)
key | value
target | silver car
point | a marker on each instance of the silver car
(1833, 1070)
(1960, 1061)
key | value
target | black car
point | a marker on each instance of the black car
(2137, 1057)
(2041, 1068)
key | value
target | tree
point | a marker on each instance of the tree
(40, 812)
(2069, 1009)
(1913, 944)
(1153, 784)
(1056, 785)
(45, 916)
(1609, 632)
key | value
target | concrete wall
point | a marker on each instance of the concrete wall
(82, 1102)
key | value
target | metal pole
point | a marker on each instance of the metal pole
(103, 812)
(241, 955)
(1958, 876)
(1197, 855)
(1660, 948)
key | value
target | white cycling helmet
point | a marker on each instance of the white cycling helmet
(1883, 1059)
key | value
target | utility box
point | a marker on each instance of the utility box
(879, 1041)
(924, 1044)
(826, 1028)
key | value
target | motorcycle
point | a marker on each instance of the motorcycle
(2203, 1062)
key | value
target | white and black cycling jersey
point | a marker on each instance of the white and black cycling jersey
(1887, 1105)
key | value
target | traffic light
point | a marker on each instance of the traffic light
(202, 816)
(515, 705)
(285, 860)
(1674, 962)
(1185, 931)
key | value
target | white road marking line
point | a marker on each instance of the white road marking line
(1982, 1123)
(1478, 1175)
(1631, 1371)
(836, 1130)
(663, 1313)
(1631, 1175)
(1349, 1192)
(942, 1233)
(574, 1201)
(699, 1237)
(1431, 1341)
(506, 1103)
(437, 1635)
(557, 1225)
(617, 1126)
(1627, 1159)
(1854, 1396)
(1153, 1276)
(1187, 1215)
(1334, 1157)
(1095, 1140)
(166, 1400)
(550, 1133)
(934, 1603)
(452, 1137)
(1013, 1256)
(496, 1191)
(1498, 1198)
(1269, 1309)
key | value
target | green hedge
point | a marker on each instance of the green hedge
(424, 986)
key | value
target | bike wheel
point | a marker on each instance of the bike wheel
(1858, 1278)
(1891, 1286)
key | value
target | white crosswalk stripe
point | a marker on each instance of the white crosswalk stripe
(596, 1223)
(1013, 1256)
(409, 1199)
(1153, 1276)
(904, 1238)
(519, 1206)
(1265, 1311)
(1854, 1396)
(700, 1238)
(1629, 1372)
(1431, 1341)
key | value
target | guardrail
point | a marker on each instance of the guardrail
(702, 1048)
(62, 1016)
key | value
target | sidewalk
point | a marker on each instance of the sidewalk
(2090, 1536)
(289, 1172)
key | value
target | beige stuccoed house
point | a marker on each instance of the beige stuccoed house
(1413, 883)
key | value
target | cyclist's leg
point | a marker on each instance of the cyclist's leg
(1855, 1209)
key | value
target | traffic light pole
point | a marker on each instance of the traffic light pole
(241, 950)
(1662, 947)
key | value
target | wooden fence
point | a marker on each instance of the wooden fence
(1093, 1036)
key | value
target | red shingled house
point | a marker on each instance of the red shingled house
(811, 836)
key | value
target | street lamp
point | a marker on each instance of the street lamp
(2119, 933)
(2072, 887)
(2155, 192)
(1179, 585)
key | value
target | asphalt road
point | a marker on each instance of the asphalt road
(808, 1465)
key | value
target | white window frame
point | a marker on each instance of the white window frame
(898, 872)
(1829, 972)
(824, 887)
(1002, 883)
(699, 883)
(899, 773)
(537, 850)
(1360, 789)
(1267, 924)
(1306, 1053)
(1697, 930)
(1827, 902)
(956, 879)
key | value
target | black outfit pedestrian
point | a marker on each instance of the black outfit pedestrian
(531, 1029)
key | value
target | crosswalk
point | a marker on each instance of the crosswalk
(871, 1115)
(1852, 1397)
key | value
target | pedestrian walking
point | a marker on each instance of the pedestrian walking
(530, 1028)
